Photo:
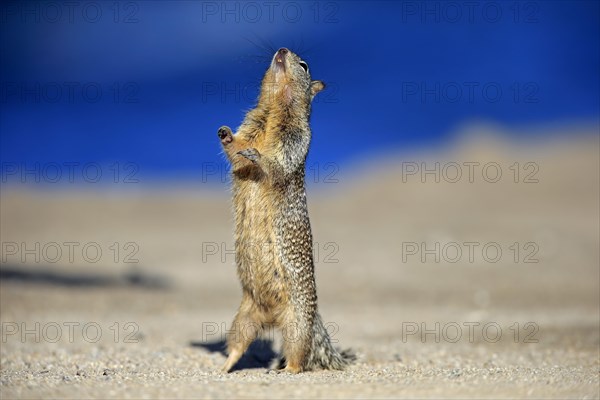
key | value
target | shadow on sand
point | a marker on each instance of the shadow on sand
(133, 278)
(260, 354)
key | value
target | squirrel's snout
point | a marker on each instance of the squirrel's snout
(279, 61)
(280, 55)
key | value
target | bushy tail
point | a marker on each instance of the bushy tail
(323, 354)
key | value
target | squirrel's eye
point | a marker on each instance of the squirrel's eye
(304, 65)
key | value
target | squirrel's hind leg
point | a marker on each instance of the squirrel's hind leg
(296, 341)
(247, 325)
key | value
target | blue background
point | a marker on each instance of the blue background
(185, 68)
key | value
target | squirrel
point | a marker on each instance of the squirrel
(273, 239)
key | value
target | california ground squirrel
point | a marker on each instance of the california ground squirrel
(273, 239)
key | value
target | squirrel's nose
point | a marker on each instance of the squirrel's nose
(280, 56)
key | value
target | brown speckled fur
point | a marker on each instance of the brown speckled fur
(273, 237)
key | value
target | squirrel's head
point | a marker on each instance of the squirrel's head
(288, 80)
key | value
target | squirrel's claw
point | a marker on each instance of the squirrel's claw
(225, 134)
(251, 154)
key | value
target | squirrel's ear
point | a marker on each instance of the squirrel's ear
(316, 87)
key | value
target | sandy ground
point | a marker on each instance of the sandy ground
(421, 328)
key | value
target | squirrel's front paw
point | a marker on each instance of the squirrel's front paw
(251, 154)
(225, 134)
